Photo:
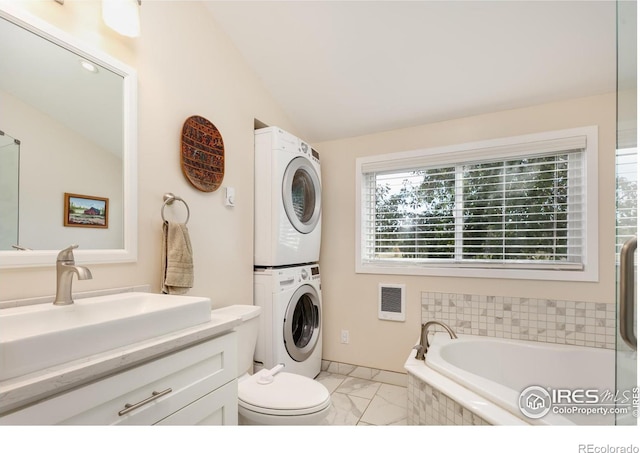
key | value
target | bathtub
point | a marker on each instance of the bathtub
(486, 375)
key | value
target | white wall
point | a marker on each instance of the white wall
(9, 167)
(50, 155)
(350, 299)
(186, 66)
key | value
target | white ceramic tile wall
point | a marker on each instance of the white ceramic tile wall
(521, 318)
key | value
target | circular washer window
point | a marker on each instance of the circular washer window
(301, 195)
(302, 323)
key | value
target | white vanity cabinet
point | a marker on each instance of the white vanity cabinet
(196, 385)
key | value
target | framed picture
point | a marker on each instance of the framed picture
(85, 211)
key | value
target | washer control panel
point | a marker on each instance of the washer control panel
(291, 276)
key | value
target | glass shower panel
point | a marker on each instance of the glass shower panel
(9, 176)
(626, 210)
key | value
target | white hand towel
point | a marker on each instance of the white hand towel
(177, 259)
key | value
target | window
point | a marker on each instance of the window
(518, 207)
(626, 196)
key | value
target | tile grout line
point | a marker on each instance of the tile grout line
(343, 378)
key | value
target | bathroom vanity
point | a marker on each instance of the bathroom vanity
(186, 377)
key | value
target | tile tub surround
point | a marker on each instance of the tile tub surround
(543, 320)
(428, 406)
(520, 318)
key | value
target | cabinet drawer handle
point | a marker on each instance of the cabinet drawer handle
(154, 396)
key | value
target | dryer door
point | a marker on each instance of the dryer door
(302, 323)
(301, 195)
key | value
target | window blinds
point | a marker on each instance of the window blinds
(511, 206)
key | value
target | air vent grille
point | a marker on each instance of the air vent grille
(391, 302)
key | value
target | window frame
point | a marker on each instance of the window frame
(500, 148)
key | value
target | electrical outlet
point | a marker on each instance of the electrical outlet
(344, 337)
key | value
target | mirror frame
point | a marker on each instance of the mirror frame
(129, 253)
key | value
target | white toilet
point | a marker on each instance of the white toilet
(272, 397)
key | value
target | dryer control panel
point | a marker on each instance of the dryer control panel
(284, 141)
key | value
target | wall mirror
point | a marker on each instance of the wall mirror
(74, 111)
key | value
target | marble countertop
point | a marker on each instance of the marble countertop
(23, 390)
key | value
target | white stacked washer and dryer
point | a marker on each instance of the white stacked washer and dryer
(287, 249)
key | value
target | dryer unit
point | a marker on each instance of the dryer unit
(291, 323)
(287, 200)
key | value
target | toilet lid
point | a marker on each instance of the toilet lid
(287, 392)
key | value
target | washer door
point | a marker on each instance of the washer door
(301, 195)
(302, 323)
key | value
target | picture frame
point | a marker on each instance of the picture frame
(85, 211)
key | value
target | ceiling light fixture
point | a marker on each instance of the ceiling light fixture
(123, 16)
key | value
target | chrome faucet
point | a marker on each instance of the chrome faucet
(423, 347)
(65, 268)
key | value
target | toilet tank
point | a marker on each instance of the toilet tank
(247, 333)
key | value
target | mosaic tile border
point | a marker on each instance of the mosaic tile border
(428, 406)
(520, 318)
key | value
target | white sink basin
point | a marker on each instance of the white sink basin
(40, 336)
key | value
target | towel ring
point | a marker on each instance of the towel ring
(169, 198)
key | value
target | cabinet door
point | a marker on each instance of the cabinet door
(219, 407)
(178, 379)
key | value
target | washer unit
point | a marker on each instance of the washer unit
(291, 321)
(287, 200)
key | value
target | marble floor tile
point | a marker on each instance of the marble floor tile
(359, 387)
(341, 368)
(394, 394)
(345, 409)
(356, 400)
(330, 380)
(390, 377)
(388, 407)
(363, 373)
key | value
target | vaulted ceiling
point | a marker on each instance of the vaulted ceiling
(347, 68)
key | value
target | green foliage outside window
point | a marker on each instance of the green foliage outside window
(504, 210)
